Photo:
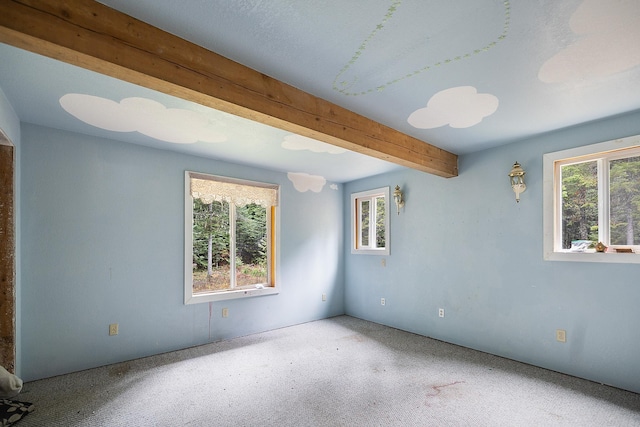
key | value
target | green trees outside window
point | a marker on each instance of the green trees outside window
(579, 203)
(222, 230)
(230, 238)
(624, 179)
(581, 215)
(370, 221)
(366, 217)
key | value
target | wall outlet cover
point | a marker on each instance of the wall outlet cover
(113, 329)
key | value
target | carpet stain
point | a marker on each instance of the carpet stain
(119, 369)
(355, 337)
(437, 389)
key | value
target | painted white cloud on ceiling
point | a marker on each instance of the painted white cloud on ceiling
(304, 182)
(458, 107)
(298, 142)
(608, 44)
(142, 115)
(334, 186)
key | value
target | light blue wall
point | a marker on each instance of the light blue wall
(10, 125)
(102, 241)
(9, 122)
(465, 245)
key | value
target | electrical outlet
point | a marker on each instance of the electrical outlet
(441, 312)
(383, 262)
(225, 312)
(382, 301)
(561, 335)
(113, 329)
(324, 297)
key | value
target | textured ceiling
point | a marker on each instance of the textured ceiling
(464, 76)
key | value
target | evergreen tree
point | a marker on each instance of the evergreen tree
(251, 238)
(380, 211)
(210, 234)
(579, 203)
(624, 178)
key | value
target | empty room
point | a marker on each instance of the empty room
(319, 213)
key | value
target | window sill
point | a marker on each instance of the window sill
(228, 295)
(384, 251)
(625, 258)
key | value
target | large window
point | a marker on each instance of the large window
(229, 238)
(592, 195)
(370, 221)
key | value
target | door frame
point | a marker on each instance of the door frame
(7, 255)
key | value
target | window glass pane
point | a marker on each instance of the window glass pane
(210, 246)
(364, 221)
(579, 205)
(380, 243)
(251, 245)
(229, 238)
(624, 193)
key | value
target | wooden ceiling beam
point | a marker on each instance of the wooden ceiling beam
(93, 36)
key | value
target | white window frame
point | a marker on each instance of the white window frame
(552, 199)
(189, 296)
(356, 199)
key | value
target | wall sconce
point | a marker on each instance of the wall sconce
(397, 197)
(517, 180)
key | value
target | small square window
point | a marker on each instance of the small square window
(370, 222)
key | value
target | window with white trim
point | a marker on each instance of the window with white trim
(229, 238)
(592, 195)
(370, 222)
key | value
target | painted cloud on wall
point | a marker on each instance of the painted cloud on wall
(298, 142)
(458, 107)
(142, 115)
(608, 44)
(304, 182)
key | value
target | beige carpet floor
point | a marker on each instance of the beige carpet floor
(335, 372)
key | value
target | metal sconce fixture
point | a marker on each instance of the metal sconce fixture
(517, 180)
(397, 196)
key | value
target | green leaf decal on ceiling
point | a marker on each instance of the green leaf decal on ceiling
(357, 76)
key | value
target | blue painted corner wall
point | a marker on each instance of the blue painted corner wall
(100, 241)
(465, 245)
(102, 232)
